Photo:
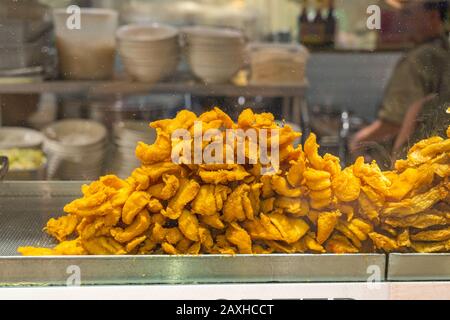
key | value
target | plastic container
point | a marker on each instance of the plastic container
(87, 53)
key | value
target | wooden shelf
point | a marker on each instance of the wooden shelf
(104, 88)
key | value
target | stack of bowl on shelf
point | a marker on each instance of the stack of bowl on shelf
(215, 55)
(76, 149)
(126, 135)
(149, 52)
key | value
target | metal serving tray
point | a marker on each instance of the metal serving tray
(419, 267)
(25, 207)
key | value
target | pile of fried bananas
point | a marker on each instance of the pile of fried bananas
(310, 205)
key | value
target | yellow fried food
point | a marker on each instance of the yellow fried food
(238, 205)
(295, 172)
(223, 176)
(205, 201)
(416, 204)
(291, 229)
(282, 188)
(431, 247)
(137, 228)
(188, 224)
(360, 228)
(158, 152)
(239, 237)
(346, 185)
(186, 193)
(340, 245)
(165, 190)
(62, 227)
(422, 220)
(371, 175)
(343, 228)
(262, 229)
(312, 152)
(383, 242)
(298, 207)
(326, 222)
(135, 203)
(212, 221)
(103, 246)
(432, 235)
(298, 202)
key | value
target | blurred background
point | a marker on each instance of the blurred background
(73, 103)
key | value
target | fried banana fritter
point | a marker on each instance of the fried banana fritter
(305, 203)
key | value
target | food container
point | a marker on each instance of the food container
(87, 53)
(37, 174)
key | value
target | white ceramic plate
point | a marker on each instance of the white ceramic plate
(17, 137)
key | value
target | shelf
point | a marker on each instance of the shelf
(102, 88)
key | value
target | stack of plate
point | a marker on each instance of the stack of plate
(76, 149)
(126, 136)
(215, 55)
(149, 52)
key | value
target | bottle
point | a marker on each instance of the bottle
(330, 25)
(302, 22)
(319, 27)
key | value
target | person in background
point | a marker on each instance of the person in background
(418, 92)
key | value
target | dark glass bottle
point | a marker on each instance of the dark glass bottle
(302, 23)
(330, 25)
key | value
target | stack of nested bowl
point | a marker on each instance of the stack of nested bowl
(215, 55)
(149, 52)
(76, 149)
(126, 135)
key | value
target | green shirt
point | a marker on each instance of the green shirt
(423, 71)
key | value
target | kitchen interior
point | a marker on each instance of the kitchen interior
(314, 63)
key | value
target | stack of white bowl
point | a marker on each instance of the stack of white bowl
(76, 149)
(149, 52)
(126, 135)
(215, 55)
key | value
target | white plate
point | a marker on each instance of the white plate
(76, 133)
(17, 137)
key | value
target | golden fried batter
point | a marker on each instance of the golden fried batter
(186, 193)
(309, 203)
(326, 222)
(346, 185)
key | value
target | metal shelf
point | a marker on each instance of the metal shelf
(99, 88)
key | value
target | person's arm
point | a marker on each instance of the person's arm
(379, 131)
(410, 123)
(405, 87)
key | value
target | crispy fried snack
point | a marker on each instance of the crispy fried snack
(307, 203)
